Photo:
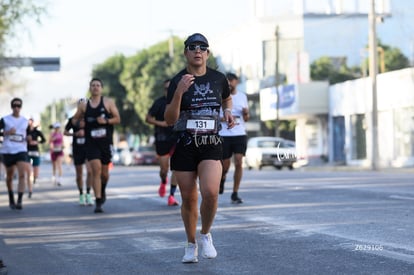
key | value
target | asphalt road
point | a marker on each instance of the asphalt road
(291, 222)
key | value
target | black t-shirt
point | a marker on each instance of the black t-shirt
(204, 97)
(157, 111)
(207, 91)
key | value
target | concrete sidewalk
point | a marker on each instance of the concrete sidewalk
(345, 168)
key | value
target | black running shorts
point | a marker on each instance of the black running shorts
(99, 150)
(12, 159)
(164, 147)
(234, 145)
(190, 151)
(79, 155)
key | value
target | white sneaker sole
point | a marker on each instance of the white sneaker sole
(190, 261)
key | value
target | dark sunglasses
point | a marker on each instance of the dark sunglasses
(193, 48)
(16, 106)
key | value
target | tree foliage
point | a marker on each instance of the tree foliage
(325, 68)
(109, 72)
(134, 82)
(55, 112)
(394, 59)
(144, 75)
(14, 13)
(145, 72)
(335, 70)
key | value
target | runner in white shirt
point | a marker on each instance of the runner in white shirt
(235, 139)
(13, 128)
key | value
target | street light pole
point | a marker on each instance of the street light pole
(277, 81)
(373, 75)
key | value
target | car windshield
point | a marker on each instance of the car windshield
(267, 144)
(275, 144)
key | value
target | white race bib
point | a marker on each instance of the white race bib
(57, 149)
(33, 153)
(201, 124)
(236, 119)
(16, 138)
(98, 133)
(80, 140)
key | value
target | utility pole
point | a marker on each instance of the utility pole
(373, 75)
(277, 81)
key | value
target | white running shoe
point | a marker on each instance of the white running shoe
(89, 199)
(191, 253)
(207, 248)
(81, 199)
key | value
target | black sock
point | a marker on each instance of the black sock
(103, 190)
(172, 189)
(222, 181)
(88, 190)
(19, 197)
(103, 193)
(221, 189)
(11, 197)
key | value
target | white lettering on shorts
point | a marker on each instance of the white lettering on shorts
(207, 140)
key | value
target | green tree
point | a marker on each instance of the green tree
(136, 81)
(15, 13)
(143, 77)
(145, 73)
(55, 112)
(394, 59)
(109, 72)
(333, 70)
(389, 59)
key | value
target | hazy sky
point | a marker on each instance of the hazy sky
(86, 32)
(80, 27)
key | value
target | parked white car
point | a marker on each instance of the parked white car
(270, 151)
(122, 156)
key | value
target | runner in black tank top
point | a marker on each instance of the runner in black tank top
(79, 158)
(94, 131)
(100, 114)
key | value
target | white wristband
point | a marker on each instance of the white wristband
(227, 110)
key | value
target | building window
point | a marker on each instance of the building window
(339, 139)
(359, 141)
(404, 132)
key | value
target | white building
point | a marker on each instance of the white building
(350, 120)
(308, 30)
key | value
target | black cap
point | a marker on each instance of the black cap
(194, 38)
